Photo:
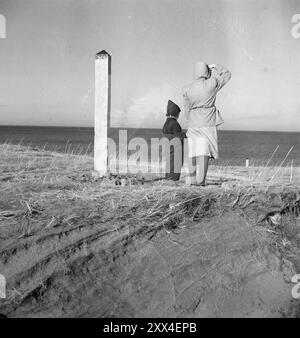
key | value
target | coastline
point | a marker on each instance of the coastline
(234, 146)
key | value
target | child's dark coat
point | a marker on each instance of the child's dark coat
(171, 130)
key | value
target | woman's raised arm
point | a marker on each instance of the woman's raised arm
(221, 74)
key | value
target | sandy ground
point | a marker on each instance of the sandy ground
(74, 245)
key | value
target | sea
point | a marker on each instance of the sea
(259, 147)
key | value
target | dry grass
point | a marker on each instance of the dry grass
(44, 193)
(264, 173)
(32, 180)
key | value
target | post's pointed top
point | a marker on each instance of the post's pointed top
(102, 54)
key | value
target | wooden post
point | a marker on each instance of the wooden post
(102, 111)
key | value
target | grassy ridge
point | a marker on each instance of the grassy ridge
(73, 244)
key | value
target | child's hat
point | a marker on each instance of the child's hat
(172, 109)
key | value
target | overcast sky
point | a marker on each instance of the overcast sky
(47, 59)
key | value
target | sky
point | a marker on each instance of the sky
(47, 60)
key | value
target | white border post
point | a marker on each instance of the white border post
(102, 111)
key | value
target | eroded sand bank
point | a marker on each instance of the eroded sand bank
(75, 245)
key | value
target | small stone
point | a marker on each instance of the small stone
(276, 219)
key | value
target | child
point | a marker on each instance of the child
(171, 130)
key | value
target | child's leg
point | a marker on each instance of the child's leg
(175, 162)
(202, 167)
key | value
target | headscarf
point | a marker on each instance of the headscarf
(172, 109)
(201, 70)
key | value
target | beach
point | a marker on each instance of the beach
(77, 245)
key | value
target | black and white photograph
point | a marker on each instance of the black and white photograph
(149, 162)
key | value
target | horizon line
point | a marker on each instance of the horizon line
(155, 128)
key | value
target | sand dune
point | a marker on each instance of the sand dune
(74, 245)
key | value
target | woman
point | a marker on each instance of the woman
(203, 117)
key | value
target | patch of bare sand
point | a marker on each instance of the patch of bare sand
(75, 246)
